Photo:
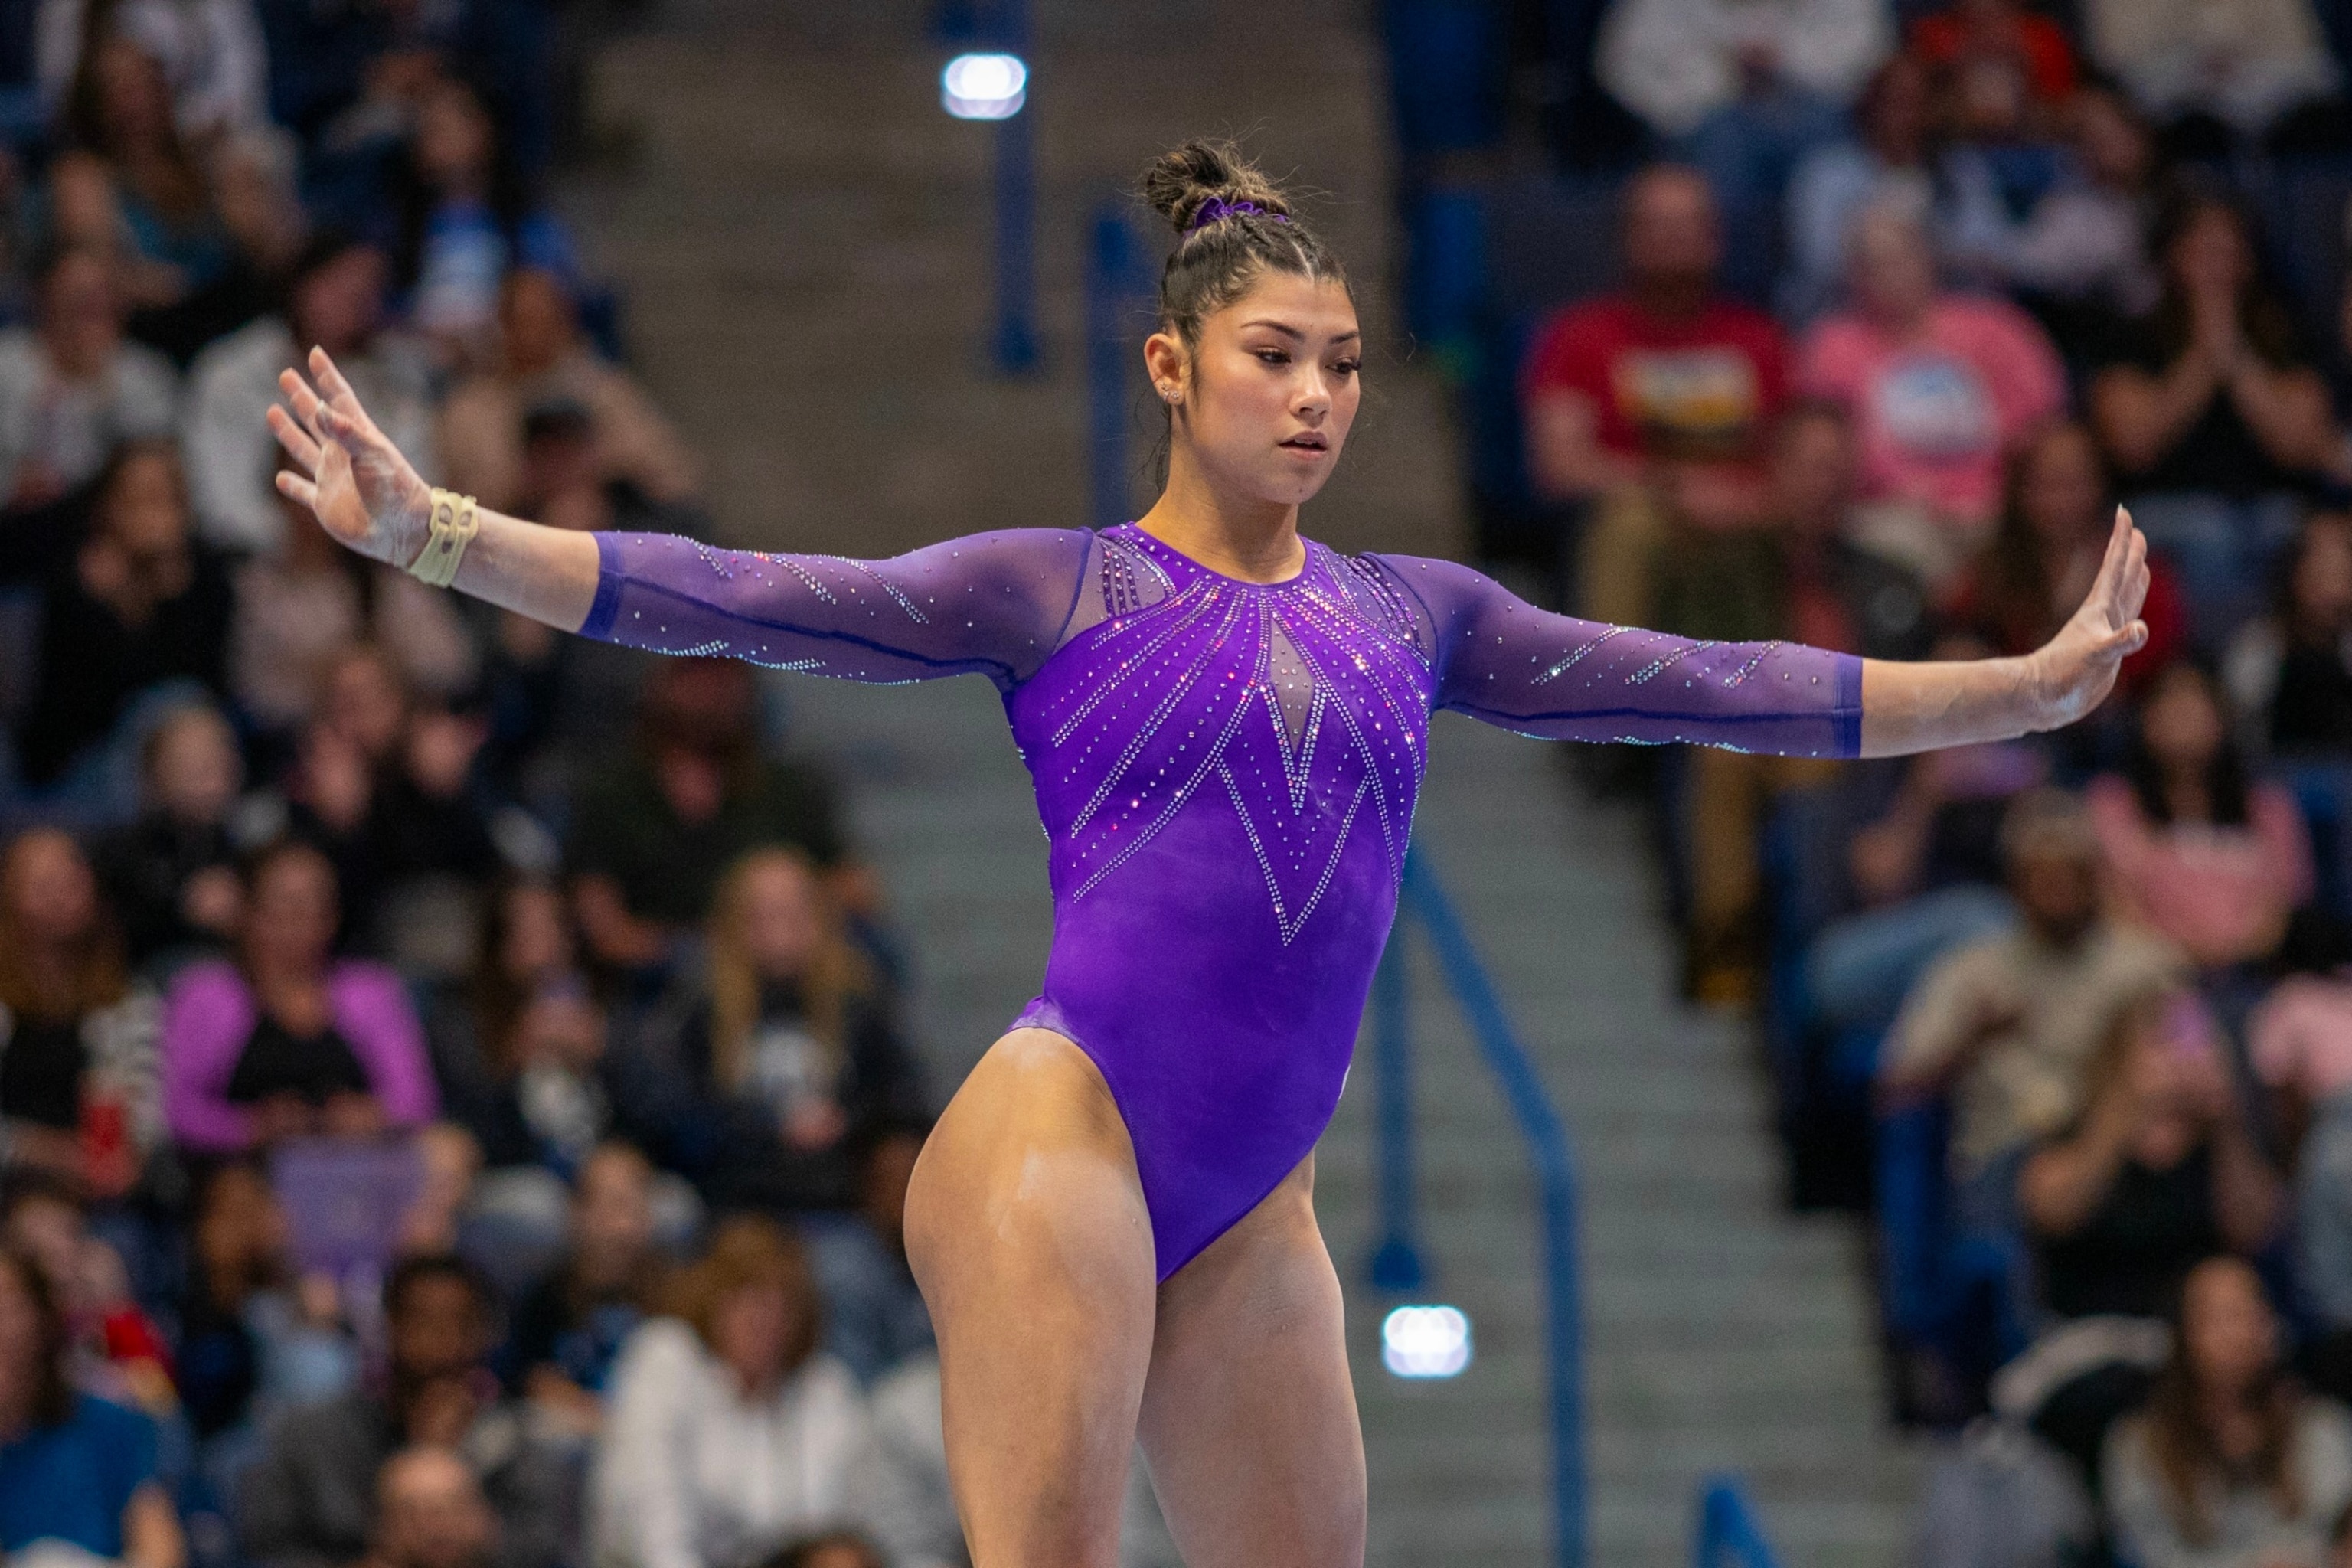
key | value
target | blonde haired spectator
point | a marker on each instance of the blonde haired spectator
(729, 1435)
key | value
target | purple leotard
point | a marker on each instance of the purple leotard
(1227, 773)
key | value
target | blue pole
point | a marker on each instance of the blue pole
(1016, 218)
(1728, 1523)
(1395, 1266)
(1016, 215)
(1110, 281)
(1532, 1107)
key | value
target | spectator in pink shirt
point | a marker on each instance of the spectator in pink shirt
(1943, 387)
(2194, 850)
(289, 1040)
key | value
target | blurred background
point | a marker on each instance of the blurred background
(458, 1084)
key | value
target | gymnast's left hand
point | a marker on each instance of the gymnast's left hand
(2073, 671)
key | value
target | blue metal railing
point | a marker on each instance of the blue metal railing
(1396, 1262)
(1727, 1525)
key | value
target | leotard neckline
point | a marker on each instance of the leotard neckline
(1306, 564)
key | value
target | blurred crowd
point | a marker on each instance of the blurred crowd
(453, 1112)
(1905, 299)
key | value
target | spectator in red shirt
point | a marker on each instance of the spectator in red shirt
(1976, 33)
(1664, 374)
(1666, 367)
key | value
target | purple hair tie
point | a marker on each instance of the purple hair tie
(1217, 209)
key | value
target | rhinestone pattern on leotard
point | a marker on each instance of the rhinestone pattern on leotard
(1303, 703)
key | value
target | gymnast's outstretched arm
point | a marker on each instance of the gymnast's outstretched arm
(992, 604)
(1502, 660)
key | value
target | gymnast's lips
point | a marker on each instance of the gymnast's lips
(1309, 441)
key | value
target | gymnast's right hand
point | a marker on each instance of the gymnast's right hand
(352, 477)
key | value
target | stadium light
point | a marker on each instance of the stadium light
(1425, 1342)
(984, 86)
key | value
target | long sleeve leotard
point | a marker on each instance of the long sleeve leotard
(1226, 773)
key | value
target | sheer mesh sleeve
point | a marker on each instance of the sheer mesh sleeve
(993, 604)
(1501, 659)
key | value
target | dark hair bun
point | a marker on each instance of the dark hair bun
(1179, 181)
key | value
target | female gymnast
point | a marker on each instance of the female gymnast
(1225, 723)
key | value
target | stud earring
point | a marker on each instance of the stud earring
(1171, 394)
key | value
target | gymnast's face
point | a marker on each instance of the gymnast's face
(1269, 391)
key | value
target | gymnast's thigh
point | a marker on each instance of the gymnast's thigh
(1027, 1231)
(1249, 1416)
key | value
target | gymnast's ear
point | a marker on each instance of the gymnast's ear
(1170, 364)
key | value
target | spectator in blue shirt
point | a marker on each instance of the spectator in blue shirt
(73, 1469)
